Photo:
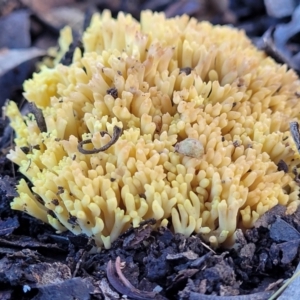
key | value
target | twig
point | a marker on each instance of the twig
(117, 279)
(279, 291)
(79, 263)
(38, 114)
(116, 134)
(294, 128)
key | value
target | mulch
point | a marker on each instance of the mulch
(36, 263)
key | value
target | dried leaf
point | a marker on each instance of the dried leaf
(16, 66)
(280, 8)
(60, 17)
(18, 35)
(75, 288)
(289, 251)
(8, 184)
(281, 231)
(275, 41)
(42, 6)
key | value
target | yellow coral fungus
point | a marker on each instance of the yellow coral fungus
(140, 91)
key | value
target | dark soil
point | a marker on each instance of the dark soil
(36, 263)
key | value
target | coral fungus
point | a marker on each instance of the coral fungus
(123, 118)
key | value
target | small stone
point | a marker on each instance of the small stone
(190, 147)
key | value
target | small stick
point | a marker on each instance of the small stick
(116, 134)
(38, 114)
(79, 263)
(121, 284)
(28, 165)
(294, 128)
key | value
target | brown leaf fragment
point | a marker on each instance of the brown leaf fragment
(15, 66)
(276, 40)
(15, 30)
(197, 263)
(142, 225)
(51, 279)
(184, 7)
(280, 8)
(75, 288)
(62, 16)
(281, 231)
(270, 216)
(47, 273)
(122, 285)
(40, 7)
(182, 276)
(139, 235)
(7, 184)
(289, 251)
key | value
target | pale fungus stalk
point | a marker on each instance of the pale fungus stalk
(170, 119)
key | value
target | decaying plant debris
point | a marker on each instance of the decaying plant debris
(147, 264)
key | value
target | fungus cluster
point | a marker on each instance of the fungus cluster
(171, 119)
